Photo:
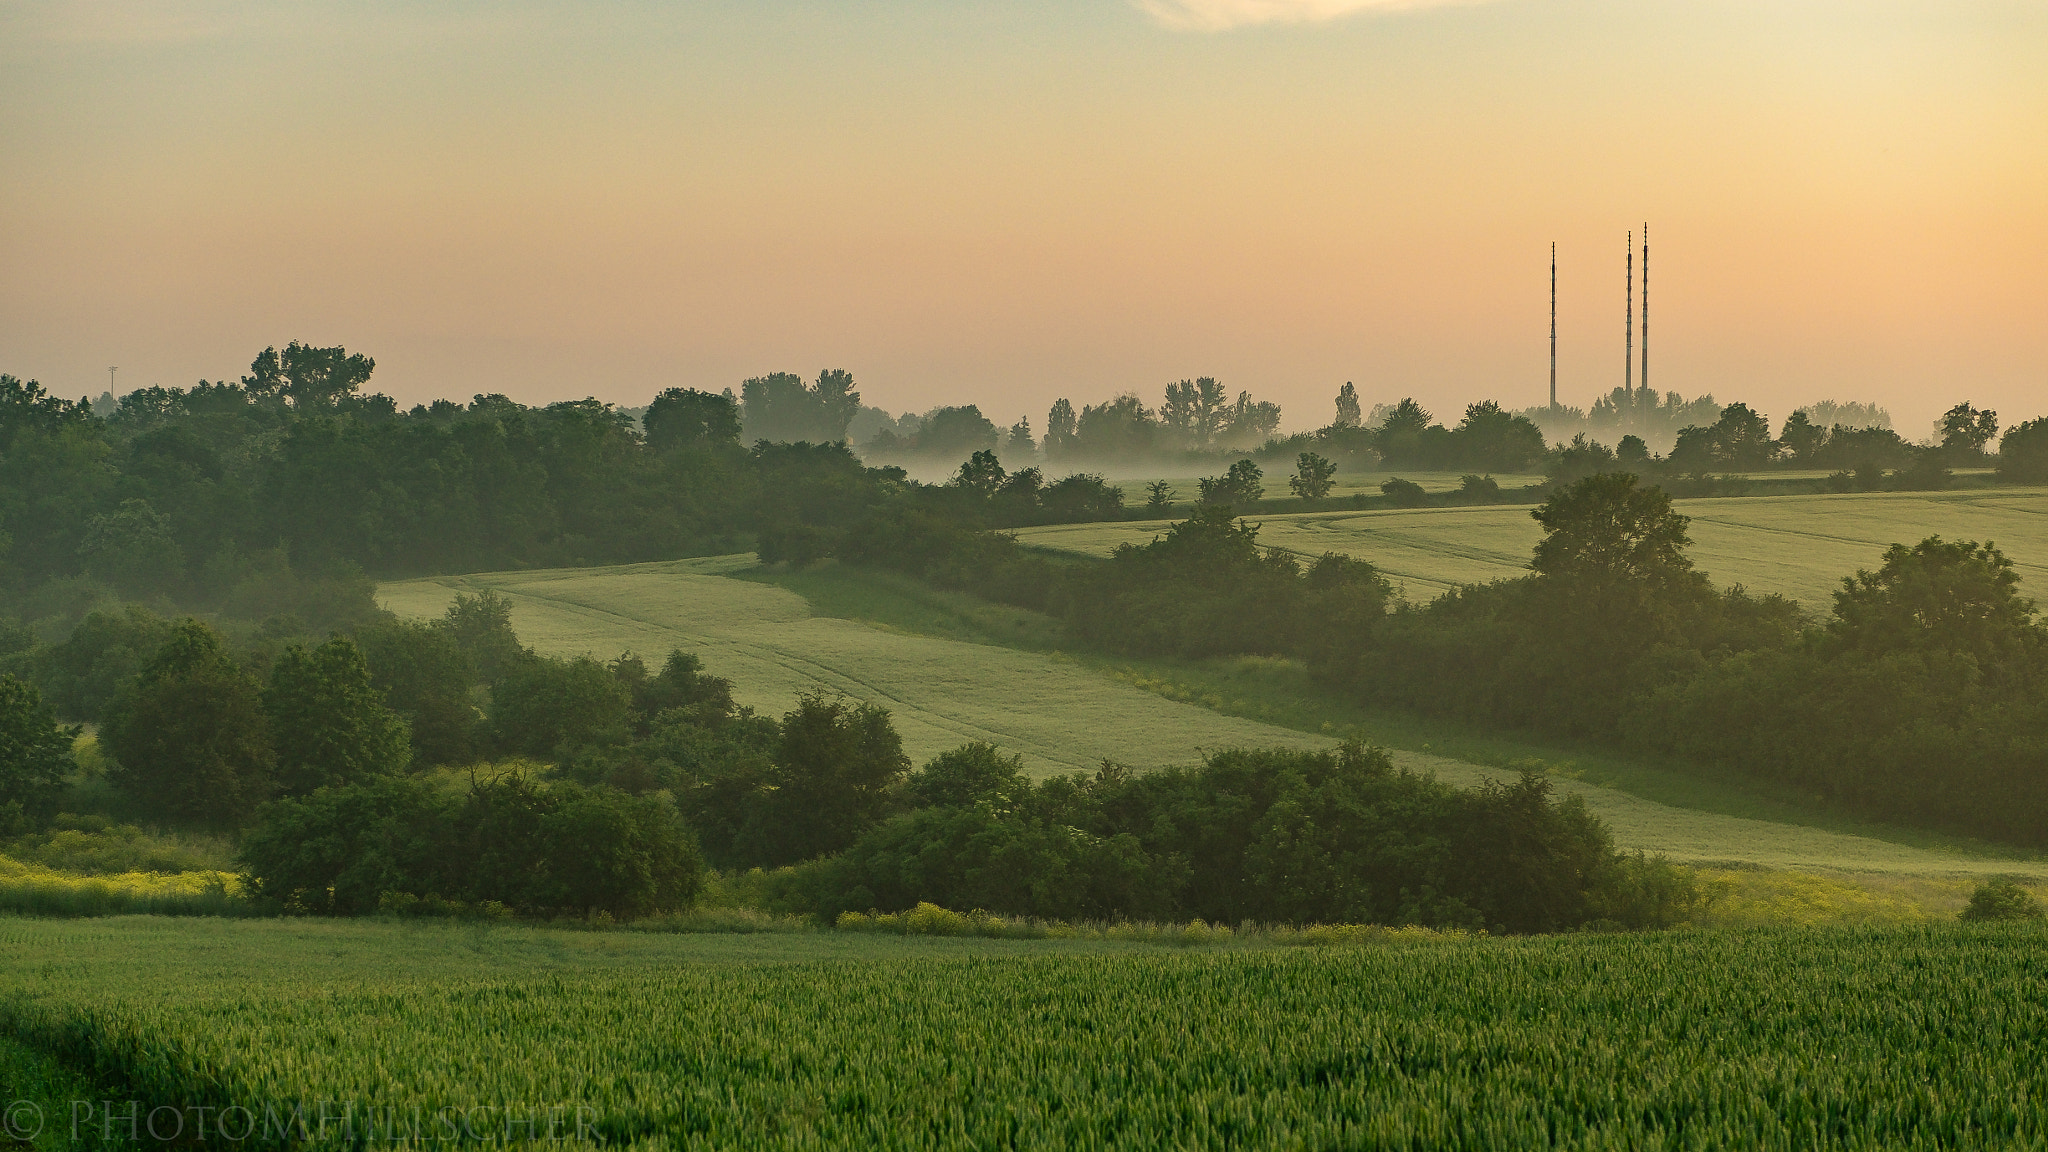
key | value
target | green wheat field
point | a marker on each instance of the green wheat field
(1810, 1038)
(1795, 546)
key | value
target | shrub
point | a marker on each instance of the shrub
(1403, 493)
(2001, 900)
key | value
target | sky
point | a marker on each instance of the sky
(1004, 202)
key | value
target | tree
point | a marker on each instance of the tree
(312, 379)
(1119, 428)
(1312, 477)
(834, 766)
(971, 774)
(1195, 411)
(544, 706)
(190, 734)
(1059, 428)
(1158, 496)
(1965, 430)
(950, 433)
(684, 418)
(1348, 415)
(2023, 453)
(1957, 596)
(1492, 438)
(1250, 421)
(1802, 437)
(35, 756)
(328, 723)
(981, 474)
(132, 548)
(425, 677)
(1241, 484)
(1017, 442)
(1605, 530)
(779, 407)
(481, 626)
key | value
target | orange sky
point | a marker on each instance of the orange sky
(1006, 202)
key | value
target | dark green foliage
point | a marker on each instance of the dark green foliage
(544, 705)
(1489, 439)
(1965, 431)
(132, 548)
(1403, 493)
(686, 419)
(481, 627)
(190, 735)
(1613, 611)
(307, 377)
(426, 678)
(2001, 900)
(1739, 439)
(79, 676)
(1272, 836)
(1920, 700)
(338, 850)
(2023, 453)
(826, 777)
(968, 776)
(35, 756)
(780, 407)
(680, 692)
(1478, 489)
(328, 722)
(558, 849)
(1241, 484)
(1312, 476)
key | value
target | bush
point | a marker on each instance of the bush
(2001, 900)
(1403, 493)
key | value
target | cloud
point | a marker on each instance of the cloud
(1223, 15)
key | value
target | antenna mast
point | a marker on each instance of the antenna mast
(1553, 324)
(1643, 377)
(1628, 340)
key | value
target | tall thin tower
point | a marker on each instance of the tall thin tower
(1553, 324)
(1643, 377)
(1628, 340)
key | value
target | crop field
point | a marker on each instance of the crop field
(1796, 546)
(1834, 1038)
(1188, 488)
(1060, 713)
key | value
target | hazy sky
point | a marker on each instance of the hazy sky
(1006, 201)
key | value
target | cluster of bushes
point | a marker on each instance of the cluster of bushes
(1270, 836)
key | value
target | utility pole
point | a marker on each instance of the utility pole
(110, 378)
(1553, 325)
(1643, 378)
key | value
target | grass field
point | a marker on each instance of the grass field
(953, 668)
(1897, 1038)
(943, 693)
(1796, 546)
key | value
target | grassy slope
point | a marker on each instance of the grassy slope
(1796, 546)
(1057, 713)
(1894, 1038)
(955, 668)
